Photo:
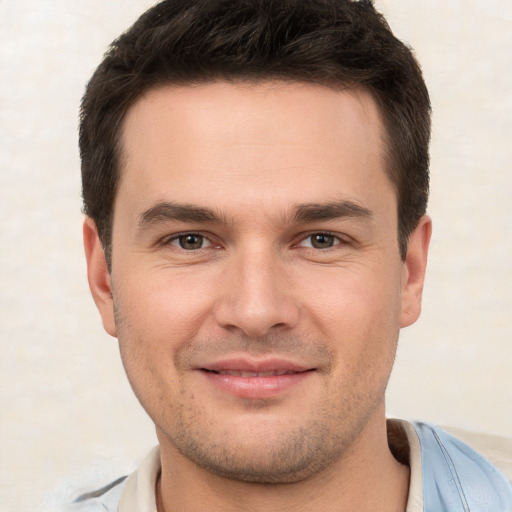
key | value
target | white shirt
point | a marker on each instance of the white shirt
(137, 492)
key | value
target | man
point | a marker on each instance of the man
(255, 180)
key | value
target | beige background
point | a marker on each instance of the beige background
(67, 415)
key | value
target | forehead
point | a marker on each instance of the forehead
(252, 142)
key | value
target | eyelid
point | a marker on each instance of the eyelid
(167, 240)
(340, 239)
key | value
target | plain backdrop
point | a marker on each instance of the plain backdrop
(67, 415)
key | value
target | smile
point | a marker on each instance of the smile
(249, 380)
(240, 373)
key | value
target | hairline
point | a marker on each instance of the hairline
(389, 163)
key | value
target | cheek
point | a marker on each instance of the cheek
(361, 323)
(358, 316)
(164, 306)
(355, 305)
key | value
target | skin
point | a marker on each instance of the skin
(261, 277)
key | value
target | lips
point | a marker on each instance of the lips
(255, 379)
(270, 373)
(271, 366)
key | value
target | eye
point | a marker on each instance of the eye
(320, 241)
(190, 242)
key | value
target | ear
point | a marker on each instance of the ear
(413, 273)
(98, 275)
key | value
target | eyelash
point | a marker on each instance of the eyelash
(177, 236)
(337, 240)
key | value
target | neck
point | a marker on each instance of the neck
(366, 478)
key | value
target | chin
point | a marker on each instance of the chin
(265, 452)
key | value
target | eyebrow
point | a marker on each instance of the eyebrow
(314, 212)
(166, 211)
(302, 213)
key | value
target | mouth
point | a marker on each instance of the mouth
(249, 379)
(241, 373)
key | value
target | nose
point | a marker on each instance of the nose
(256, 298)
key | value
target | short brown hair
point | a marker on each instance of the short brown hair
(339, 43)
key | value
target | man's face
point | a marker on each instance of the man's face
(257, 285)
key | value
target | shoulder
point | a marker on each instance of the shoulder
(455, 473)
(105, 499)
(496, 449)
(133, 492)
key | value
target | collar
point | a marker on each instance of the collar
(138, 494)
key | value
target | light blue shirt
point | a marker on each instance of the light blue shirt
(458, 479)
(455, 478)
